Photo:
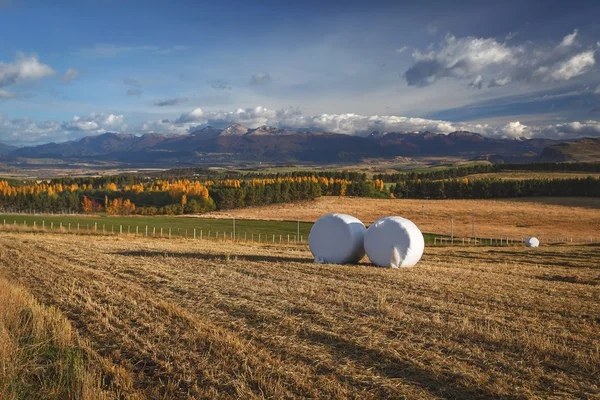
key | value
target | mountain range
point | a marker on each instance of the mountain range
(271, 144)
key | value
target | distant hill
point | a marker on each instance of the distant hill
(239, 143)
(584, 150)
(6, 149)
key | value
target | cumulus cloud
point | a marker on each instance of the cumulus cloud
(570, 130)
(70, 74)
(25, 130)
(356, 124)
(576, 65)
(569, 39)
(261, 78)
(97, 123)
(514, 130)
(22, 131)
(23, 69)
(488, 62)
(458, 58)
(401, 49)
(497, 82)
(170, 102)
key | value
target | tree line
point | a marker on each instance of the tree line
(462, 171)
(495, 188)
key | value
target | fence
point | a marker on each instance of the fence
(508, 241)
(95, 228)
(147, 231)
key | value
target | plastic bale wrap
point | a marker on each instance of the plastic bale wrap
(532, 242)
(337, 239)
(394, 242)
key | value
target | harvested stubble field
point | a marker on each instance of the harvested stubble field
(546, 217)
(174, 319)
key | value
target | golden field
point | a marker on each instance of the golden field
(43, 357)
(181, 319)
(552, 217)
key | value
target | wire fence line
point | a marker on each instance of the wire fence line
(509, 241)
(131, 230)
(148, 231)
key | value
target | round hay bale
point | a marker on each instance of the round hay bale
(394, 242)
(337, 239)
(532, 242)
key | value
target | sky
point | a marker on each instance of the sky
(510, 69)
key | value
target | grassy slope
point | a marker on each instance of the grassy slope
(179, 226)
(250, 321)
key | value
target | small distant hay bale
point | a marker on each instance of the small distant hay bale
(337, 239)
(532, 242)
(394, 242)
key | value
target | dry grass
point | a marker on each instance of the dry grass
(41, 357)
(545, 217)
(520, 175)
(219, 320)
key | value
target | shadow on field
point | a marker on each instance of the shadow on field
(449, 385)
(580, 259)
(212, 257)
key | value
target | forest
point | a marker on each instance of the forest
(153, 195)
(123, 196)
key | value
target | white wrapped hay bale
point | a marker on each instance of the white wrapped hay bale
(394, 242)
(337, 239)
(532, 242)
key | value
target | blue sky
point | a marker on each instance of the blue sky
(511, 69)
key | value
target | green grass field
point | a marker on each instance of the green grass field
(180, 226)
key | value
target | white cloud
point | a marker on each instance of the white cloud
(23, 131)
(577, 65)
(597, 91)
(351, 123)
(23, 69)
(514, 130)
(498, 82)
(70, 74)
(477, 82)
(569, 39)
(401, 49)
(485, 60)
(571, 130)
(458, 58)
(97, 123)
